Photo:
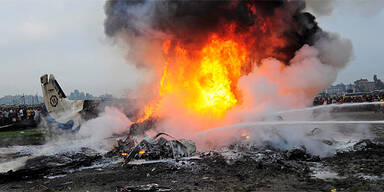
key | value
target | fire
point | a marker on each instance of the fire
(148, 110)
(245, 136)
(124, 154)
(209, 64)
(220, 69)
(141, 152)
(207, 82)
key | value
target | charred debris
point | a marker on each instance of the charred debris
(153, 155)
(155, 148)
(161, 146)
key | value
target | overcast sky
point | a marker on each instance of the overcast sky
(66, 38)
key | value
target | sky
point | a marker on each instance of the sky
(66, 38)
(364, 27)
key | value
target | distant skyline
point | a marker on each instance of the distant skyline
(66, 38)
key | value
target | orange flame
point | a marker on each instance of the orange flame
(206, 83)
(141, 152)
(124, 154)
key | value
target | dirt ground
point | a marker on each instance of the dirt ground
(358, 170)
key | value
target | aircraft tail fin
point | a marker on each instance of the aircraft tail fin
(64, 112)
(55, 98)
(52, 93)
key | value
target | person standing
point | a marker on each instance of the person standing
(15, 115)
(29, 113)
(24, 113)
(6, 116)
(37, 115)
(21, 114)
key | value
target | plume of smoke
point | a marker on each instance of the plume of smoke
(334, 50)
(111, 121)
(142, 23)
(288, 75)
(273, 87)
(93, 134)
(294, 85)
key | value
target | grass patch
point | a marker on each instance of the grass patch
(30, 132)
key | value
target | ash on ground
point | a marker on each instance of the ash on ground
(174, 165)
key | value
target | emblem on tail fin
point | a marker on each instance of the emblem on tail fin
(53, 101)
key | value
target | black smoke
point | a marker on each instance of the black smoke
(191, 21)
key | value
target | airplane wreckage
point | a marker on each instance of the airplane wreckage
(64, 113)
(68, 115)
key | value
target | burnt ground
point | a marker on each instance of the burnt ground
(214, 173)
(360, 169)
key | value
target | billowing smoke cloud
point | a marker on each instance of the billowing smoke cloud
(289, 57)
(275, 28)
(94, 134)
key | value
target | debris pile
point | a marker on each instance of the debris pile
(45, 165)
(300, 154)
(365, 145)
(139, 128)
(155, 148)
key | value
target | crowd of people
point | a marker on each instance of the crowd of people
(350, 99)
(13, 114)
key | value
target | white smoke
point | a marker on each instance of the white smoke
(334, 50)
(111, 121)
(274, 86)
(96, 134)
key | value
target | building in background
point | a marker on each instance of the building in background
(363, 85)
(35, 99)
(336, 90)
(350, 88)
(359, 86)
(77, 95)
(21, 100)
